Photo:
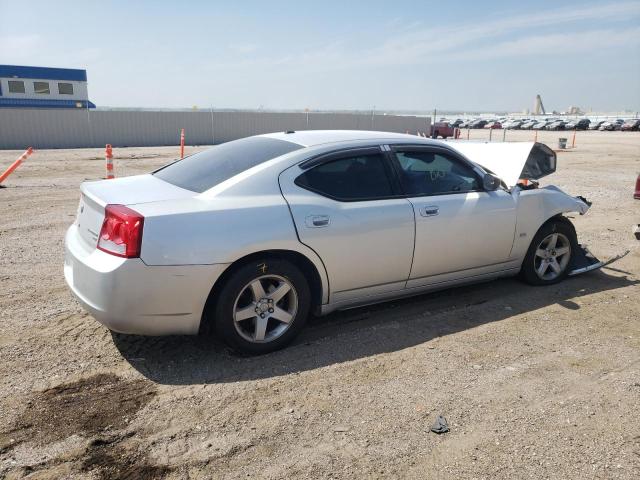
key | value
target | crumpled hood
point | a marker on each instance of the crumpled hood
(510, 161)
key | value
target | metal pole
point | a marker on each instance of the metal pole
(433, 127)
(373, 112)
(490, 133)
(213, 131)
(89, 126)
(504, 133)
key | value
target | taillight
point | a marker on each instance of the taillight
(121, 232)
(636, 194)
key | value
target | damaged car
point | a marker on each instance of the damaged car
(248, 238)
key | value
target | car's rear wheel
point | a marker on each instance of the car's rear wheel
(262, 306)
(549, 255)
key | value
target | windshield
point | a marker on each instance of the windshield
(207, 169)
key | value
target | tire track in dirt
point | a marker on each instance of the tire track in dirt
(98, 408)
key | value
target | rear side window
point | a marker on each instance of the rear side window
(361, 177)
(207, 169)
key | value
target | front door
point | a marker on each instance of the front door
(459, 226)
(348, 210)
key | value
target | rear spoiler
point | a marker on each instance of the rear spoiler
(511, 161)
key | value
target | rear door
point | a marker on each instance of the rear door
(459, 226)
(347, 207)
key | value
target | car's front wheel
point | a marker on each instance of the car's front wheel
(549, 255)
(262, 306)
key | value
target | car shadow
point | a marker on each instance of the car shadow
(358, 333)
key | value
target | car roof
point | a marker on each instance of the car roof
(310, 138)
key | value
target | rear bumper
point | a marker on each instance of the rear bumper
(128, 296)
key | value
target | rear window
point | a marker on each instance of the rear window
(207, 169)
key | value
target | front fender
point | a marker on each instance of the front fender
(534, 208)
(555, 201)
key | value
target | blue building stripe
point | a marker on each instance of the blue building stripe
(36, 103)
(44, 73)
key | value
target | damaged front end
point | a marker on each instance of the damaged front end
(584, 261)
(520, 165)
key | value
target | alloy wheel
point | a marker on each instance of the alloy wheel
(552, 256)
(265, 308)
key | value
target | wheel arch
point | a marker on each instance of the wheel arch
(318, 285)
(557, 217)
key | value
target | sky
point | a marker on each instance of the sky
(353, 55)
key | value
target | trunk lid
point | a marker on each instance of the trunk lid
(510, 161)
(128, 191)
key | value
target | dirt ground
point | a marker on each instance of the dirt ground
(534, 382)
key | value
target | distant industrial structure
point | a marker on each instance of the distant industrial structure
(538, 107)
(43, 87)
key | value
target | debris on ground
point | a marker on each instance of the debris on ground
(440, 425)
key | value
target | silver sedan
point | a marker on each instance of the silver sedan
(248, 238)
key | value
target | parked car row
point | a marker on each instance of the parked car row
(546, 124)
(628, 126)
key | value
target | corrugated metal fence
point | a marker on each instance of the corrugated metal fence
(40, 128)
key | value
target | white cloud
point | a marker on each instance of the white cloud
(415, 44)
(555, 44)
(243, 48)
(17, 47)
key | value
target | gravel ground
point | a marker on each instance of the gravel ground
(534, 382)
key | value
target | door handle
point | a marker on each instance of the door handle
(429, 211)
(316, 221)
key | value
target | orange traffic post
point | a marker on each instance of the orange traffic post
(16, 164)
(573, 140)
(182, 143)
(108, 156)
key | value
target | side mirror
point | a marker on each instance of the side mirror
(490, 182)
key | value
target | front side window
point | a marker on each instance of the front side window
(431, 173)
(41, 88)
(65, 88)
(16, 86)
(360, 177)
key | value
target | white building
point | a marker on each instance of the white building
(43, 87)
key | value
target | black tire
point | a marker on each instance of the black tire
(558, 225)
(223, 310)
